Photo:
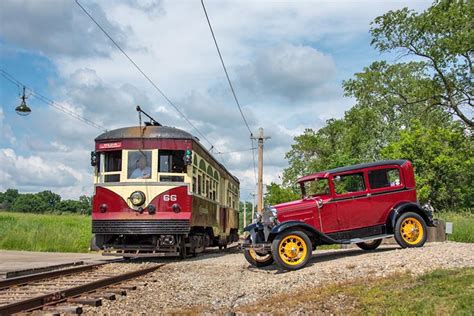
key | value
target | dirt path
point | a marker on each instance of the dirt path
(224, 282)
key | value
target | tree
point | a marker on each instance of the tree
(277, 194)
(441, 41)
(8, 198)
(29, 203)
(50, 199)
(443, 160)
(402, 106)
(86, 204)
(69, 206)
(249, 207)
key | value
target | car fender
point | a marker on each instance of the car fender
(312, 232)
(250, 227)
(404, 207)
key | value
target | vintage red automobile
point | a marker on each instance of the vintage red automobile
(360, 204)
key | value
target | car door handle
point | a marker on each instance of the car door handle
(369, 195)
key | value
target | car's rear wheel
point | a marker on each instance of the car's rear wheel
(410, 230)
(291, 249)
(369, 245)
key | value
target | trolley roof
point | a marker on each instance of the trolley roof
(155, 132)
(150, 132)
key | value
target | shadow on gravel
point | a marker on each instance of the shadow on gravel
(208, 253)
(323, 257)
(333, 255)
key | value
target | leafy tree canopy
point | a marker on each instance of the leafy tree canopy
(418, 109)
(441, 41)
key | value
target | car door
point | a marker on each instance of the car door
(353, 201)
(387, 188)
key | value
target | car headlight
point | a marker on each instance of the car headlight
(274, 211)
(137, 198)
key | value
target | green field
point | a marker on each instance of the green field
(440, 292)
(463, 225)
(72, 233)
(38, 232)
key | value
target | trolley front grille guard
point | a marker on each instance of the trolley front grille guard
(140, 227)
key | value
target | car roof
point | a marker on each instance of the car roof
(325, 174)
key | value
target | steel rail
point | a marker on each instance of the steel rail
(62, 295)
(46, 275)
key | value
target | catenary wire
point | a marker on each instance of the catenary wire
(51, 103)
(143, 74)
(236, 151)
(231, 87)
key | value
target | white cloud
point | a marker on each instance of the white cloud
(7, 134)
(294, 72)
(56, 27)
(34, 173)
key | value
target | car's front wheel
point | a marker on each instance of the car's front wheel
(410, 230)
(256, 259)
(291, 249)
(369, 245)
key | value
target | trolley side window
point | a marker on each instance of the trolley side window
(171, 161)
(111, 165)
(139, 164)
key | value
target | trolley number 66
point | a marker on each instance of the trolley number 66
(168, 198)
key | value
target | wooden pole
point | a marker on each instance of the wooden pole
(245, 214)
(261, 138)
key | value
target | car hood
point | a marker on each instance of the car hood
(287, 205)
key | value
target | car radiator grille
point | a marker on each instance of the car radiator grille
(138, 227)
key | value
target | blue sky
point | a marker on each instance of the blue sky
(286, 59)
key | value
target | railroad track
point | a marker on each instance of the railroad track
(68, 290)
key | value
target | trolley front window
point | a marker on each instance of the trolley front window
(171, 161)
(139, 164)
(110, 165)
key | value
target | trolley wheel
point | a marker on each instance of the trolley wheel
(182, 249)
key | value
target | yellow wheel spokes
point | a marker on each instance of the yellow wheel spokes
(258, 257)
(292, 249)
(411, 230)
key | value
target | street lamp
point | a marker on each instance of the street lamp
(23, 109)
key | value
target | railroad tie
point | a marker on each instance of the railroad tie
(96, 302)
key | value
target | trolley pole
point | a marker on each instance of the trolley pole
(261, 138)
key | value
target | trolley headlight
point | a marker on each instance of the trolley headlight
(137, 198)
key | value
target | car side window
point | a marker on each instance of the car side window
(349, 183)
(384, 178)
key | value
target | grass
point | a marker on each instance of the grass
(441, 292)
(463, 225)
(39, 232)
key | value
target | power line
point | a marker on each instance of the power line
(225, 69)
(231, 87)
(236, 151)
(143, 73)
(52, 103)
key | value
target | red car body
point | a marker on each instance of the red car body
(360, 204)
(352, 211)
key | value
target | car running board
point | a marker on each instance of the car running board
(365, 239)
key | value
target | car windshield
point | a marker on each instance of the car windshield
(319, 186)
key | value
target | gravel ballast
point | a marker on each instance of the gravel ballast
(224, 281)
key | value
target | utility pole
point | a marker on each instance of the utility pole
(245, 214)
(261, 138)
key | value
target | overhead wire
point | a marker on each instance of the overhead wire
(236, 151)
(144, 74)
(231, 88)
(51, 102)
